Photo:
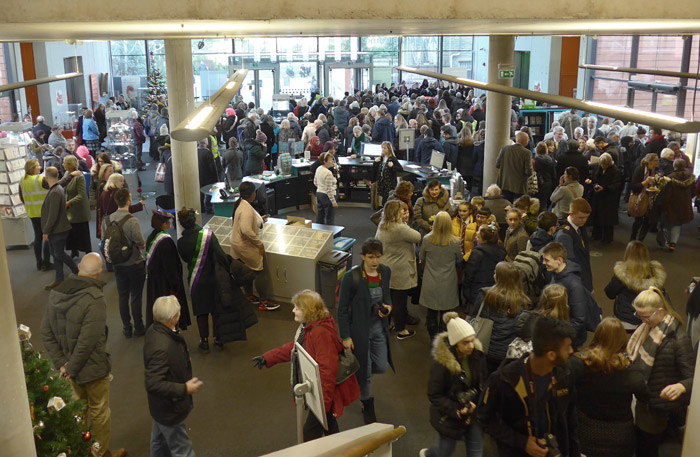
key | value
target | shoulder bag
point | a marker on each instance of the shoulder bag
(348, 365)
(638, 204)
(483, 328)
(160, 173)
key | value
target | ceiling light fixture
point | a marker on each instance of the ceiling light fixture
(641, 71)
(36, 82)
(676, 124)
(200, 122)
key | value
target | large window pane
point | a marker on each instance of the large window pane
(380, 43)
(128, 48)
(214, 46)
(128, 65)
(419, 52)
(457, 55)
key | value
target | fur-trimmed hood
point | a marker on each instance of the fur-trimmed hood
(657, 279)
(442, 199)
(442, 353)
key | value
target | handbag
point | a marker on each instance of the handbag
(532, 186)
(638, 204)
(160, 173)
(348, 365)
(483, 328)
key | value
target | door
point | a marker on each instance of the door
(347, 77)
(259, 87)
(521, 59)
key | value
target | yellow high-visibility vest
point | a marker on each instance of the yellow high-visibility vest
(33, 194)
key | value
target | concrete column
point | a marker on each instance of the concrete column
(501, 48)
(178, 65)
(16, 437)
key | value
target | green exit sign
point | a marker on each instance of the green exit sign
(503, 74)
(254, 65)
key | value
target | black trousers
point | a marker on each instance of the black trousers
(313, 429)
(399, 301)
(41, 248)
(203, 325)
(434, 322)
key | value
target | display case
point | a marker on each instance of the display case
(12, 212)
(67, 116)
(292, 252)
(120, 138)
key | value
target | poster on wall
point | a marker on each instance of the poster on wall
(59, 97)
(94, 89)
(130, 86)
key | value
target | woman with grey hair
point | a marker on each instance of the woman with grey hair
(607, 184)
(56, 138)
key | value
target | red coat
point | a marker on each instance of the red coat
(322, 343)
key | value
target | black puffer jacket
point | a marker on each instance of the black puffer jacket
(447, 380)
(674, 363)
(478, 272)
(168, 368)
(505, 329)
(624, 288)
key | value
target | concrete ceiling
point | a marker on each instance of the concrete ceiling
(158, 29)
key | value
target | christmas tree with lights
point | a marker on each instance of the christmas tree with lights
(57, 420)
(157, 88)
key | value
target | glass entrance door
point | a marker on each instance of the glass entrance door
(259, 87)
(348, 77)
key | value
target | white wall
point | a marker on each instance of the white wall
(48, 58)
(545, 60)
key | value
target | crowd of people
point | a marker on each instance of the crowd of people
(521, 368)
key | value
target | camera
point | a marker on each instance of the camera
(553, 445)
(466, 397)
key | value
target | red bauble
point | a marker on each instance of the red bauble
(46, 388)
(87, 436)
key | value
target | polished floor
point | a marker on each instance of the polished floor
(244, 412)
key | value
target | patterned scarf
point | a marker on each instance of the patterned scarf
(645, 341)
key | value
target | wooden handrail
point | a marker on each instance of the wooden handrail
(373, 442)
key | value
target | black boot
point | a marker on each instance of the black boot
(368, 411)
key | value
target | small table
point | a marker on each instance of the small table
(222, 207)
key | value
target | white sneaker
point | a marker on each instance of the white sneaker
(423, 452)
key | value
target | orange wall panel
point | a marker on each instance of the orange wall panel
(568, 71)
(29, 72)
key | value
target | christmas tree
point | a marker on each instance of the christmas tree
(157, 88)
(57, 419)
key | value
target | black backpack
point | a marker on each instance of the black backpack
(117, 247)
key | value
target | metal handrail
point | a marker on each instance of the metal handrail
(371, 443)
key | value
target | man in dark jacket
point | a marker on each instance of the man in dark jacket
(74, 332)
(341, 117)
(532, 397)
(585, 312)
(573, 158)
(384, 129)
(656, 143)
(424, 150)
(169, 381)
(573, 236)
(514, 164)
(55, 225)
(393, 107)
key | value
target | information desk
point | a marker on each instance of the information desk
(292, 252)
(356, 176)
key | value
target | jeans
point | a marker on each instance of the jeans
(313, 429)
(399, 300)
(672, 233)
(326, 212)
(58, 249)
(130, 279)
(377, 356)
(96, 393)
(170, 441)
(263, 282)
(473, 438)
(42, 251)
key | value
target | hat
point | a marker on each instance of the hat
(159, 218)
(328, 145)
(260, 137)
(457, 328)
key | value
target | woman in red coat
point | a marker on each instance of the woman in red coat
(318, 334)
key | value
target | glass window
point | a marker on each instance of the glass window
(380, 43)
(419, 52)
(128, 48)
(129, 65)
(214, 46)
(385, 56)
(457, 55)
(298, 77)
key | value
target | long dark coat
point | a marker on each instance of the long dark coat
(677, 205)
(165, 278)
(605, 202)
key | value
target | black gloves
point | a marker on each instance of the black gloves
(259, 362)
